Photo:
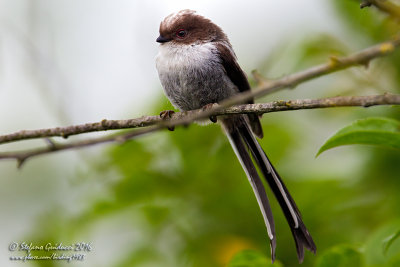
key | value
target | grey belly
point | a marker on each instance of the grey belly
(193, 88)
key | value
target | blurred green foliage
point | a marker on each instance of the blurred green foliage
(340, 256)
(181, 198)
(251, 258)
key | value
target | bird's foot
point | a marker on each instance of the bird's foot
(166, 115)
(213, 118)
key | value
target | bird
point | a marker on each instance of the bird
(197, 67)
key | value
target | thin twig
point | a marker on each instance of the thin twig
(179, 119)
(333, 65)
(265, 87)
(384, 5)
(22, 156)
(365, 3)
(67, 131)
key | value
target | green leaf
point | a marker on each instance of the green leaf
(341, 256)
(383, 245)
(371, 131)
(251, 258)
(389, 241)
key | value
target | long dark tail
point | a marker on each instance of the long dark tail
(243, 141)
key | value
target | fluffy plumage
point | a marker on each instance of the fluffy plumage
(197, 66)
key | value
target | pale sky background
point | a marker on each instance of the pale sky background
(73, 61)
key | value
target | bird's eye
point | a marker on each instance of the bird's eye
(180, 33)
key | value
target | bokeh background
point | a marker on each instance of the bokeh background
(180, 198)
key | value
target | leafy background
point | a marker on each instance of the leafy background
(181, 198)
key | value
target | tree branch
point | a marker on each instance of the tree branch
(361, 58)
(265, 87)
(22, 156)
(180, 118)
(384, 5)
(67, 131)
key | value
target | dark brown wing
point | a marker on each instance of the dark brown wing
(238, 77)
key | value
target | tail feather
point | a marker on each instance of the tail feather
(257, 185)
(300, 233)
(243, 141)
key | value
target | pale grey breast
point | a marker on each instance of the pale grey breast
(193, 75)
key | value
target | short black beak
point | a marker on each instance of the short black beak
(162, 39)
